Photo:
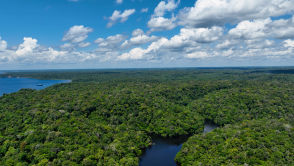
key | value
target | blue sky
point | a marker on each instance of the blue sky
(42, 34)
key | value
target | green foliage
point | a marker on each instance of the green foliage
(253, 100)
(107, 117)
(256, 142)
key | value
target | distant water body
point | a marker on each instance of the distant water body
(10, 85)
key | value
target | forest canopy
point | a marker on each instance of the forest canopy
(108, 117)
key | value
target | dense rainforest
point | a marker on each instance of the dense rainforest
(108, 117)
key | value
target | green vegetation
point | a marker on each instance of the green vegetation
(256, 142)
(250, 100)
(108, 117)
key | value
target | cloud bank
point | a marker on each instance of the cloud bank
(210, 30)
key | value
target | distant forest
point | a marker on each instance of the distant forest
(108, 117)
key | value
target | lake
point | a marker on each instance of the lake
(10, 85)
(164, 150)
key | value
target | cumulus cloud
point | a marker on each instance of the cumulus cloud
(3, 44)
(76, 36)
(138, 32)
(202, 35)
(51, 54)
(225, 44)
(207, 13)
(190, 37)
(118, 16)
(27, 46)
(138, 38)
(134, 54)
(259, 43)
(282, 29)
(289, 43)
(30, 52)
(255, 35)
(264, 28)
(185, 41)
(139, 53)
(111, 43)
(77, 33)
(250, 29)
(158, 22)
(164, 6)
(161, 23)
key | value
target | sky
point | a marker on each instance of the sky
(77, 34)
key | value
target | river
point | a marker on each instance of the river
(10, 85)
(164, 150)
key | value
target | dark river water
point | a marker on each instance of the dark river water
(163, 151)
(10, 85)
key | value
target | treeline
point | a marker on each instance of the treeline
(161, 75)
(107, 117)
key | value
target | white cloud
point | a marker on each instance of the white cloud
(139, 53)
(84, 44)
(264, 28)
(187, 39)
(27, 46)
(29, 52)
(67, 46)
(3, 44)
(161, 23)
(259, 43)
(120, 16)
(289, 43)
(77, 34)
(157, 45)
(144, 10)
(219, 12)
(53, 54)
(119, 1)
(138, 38)
(158, 22)
(198, 55)
(226, 44)
(141, 39)
(203, 35)
(282, 29)
(190, 37)
(164, 6)
(138, 32)
(134, 54)
(227, 53)
(111, 42)
(250, 29)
